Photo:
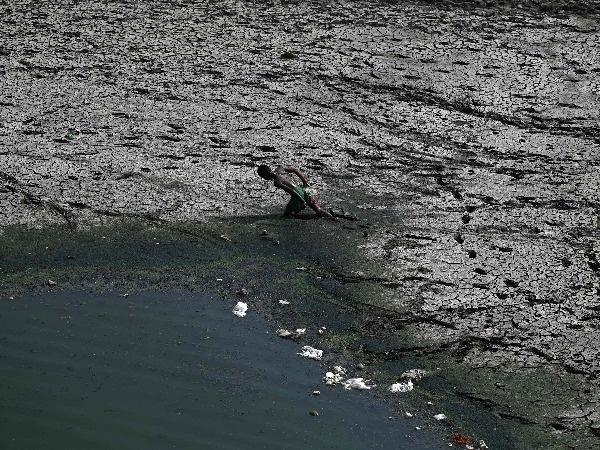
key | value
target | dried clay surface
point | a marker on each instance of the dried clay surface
(473, 129)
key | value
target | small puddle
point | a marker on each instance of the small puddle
(171, 370)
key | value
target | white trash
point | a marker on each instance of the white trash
(282, 332)
(414, 374)
(402, 387)
(339, 369)
(335, 377)
(356, 383)
(331, 379)
(240, 309)
(311, 352)
(287, 334)
(440, 417)
(284, 302)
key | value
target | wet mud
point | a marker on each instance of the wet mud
(466, 136)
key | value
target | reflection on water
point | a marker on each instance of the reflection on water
(89, 371)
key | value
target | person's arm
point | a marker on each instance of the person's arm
(298, 174)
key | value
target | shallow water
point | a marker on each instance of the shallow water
(171, 370)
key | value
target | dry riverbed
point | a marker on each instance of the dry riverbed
(465, 136)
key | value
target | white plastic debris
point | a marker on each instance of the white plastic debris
(316, 393)
(282, 332)
(356, 383)
(284, 302)
(321, 330)
(335, 377)
(311, 352)
(339, 369)
(429, 403)
(414, 374)
(408, 415)
(402, 387)
(300, 269)
(240, 309)
(417, 428)
(331, 379)
(482, 444)
(440, 417)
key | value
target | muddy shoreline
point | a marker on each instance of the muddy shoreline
(466, 138)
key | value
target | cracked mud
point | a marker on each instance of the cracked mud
(469, 136)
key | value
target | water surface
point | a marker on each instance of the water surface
(171, 370)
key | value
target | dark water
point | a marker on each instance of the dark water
(83, 370)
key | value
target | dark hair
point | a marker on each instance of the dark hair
(264, 171)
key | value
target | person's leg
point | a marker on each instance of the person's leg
(289, 210)
(316, 208)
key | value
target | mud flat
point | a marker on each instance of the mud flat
(466, 136)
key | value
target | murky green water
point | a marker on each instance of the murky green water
(83, 370)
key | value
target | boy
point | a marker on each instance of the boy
(301, 195)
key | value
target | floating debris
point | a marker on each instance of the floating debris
(316, 393)
(321, 330)
(440, 417)
(311, 352)
(357, 383)
(414, 374)
(335, 377)
(283, 333)
(339, 369)
(331, 379)
(284, 302)
(51, 283)
(460, 439)
(402, 387)
(286, 334)
(240, 309)
(313, 413)
(301, 269)
(407, 415)
(225, 237)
